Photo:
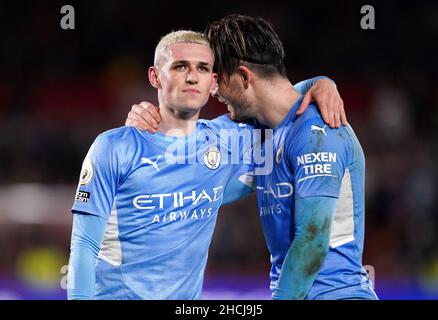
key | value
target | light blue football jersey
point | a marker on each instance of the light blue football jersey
(310, 159)
(161, 197)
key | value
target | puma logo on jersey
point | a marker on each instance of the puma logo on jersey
(152, 163)
(313, 127)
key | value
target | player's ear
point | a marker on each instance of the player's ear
(213, 87)
(154, 78)
(245, 75)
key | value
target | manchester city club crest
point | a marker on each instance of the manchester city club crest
(87, 172)
(212, 157)
(279, 154)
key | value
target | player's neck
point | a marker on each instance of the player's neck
(177, 123)
(275, 101)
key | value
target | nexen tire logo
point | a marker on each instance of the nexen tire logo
(178, 199)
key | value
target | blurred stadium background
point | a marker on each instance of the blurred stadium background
(60, 88)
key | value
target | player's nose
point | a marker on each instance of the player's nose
(192, 76)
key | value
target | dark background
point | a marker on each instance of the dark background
(60, 88)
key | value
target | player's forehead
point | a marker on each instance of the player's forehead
(193, 52)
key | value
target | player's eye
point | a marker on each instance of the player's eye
(203, 69)
(180, 67)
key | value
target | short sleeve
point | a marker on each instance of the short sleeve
(98, 179)
(319, 156)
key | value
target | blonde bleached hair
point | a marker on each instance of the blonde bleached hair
(180, 36)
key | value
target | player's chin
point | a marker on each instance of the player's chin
(188, 101)
(192, 107)
(195, 103)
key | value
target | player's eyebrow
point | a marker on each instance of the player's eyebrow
(180, 62)
(204, 64)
